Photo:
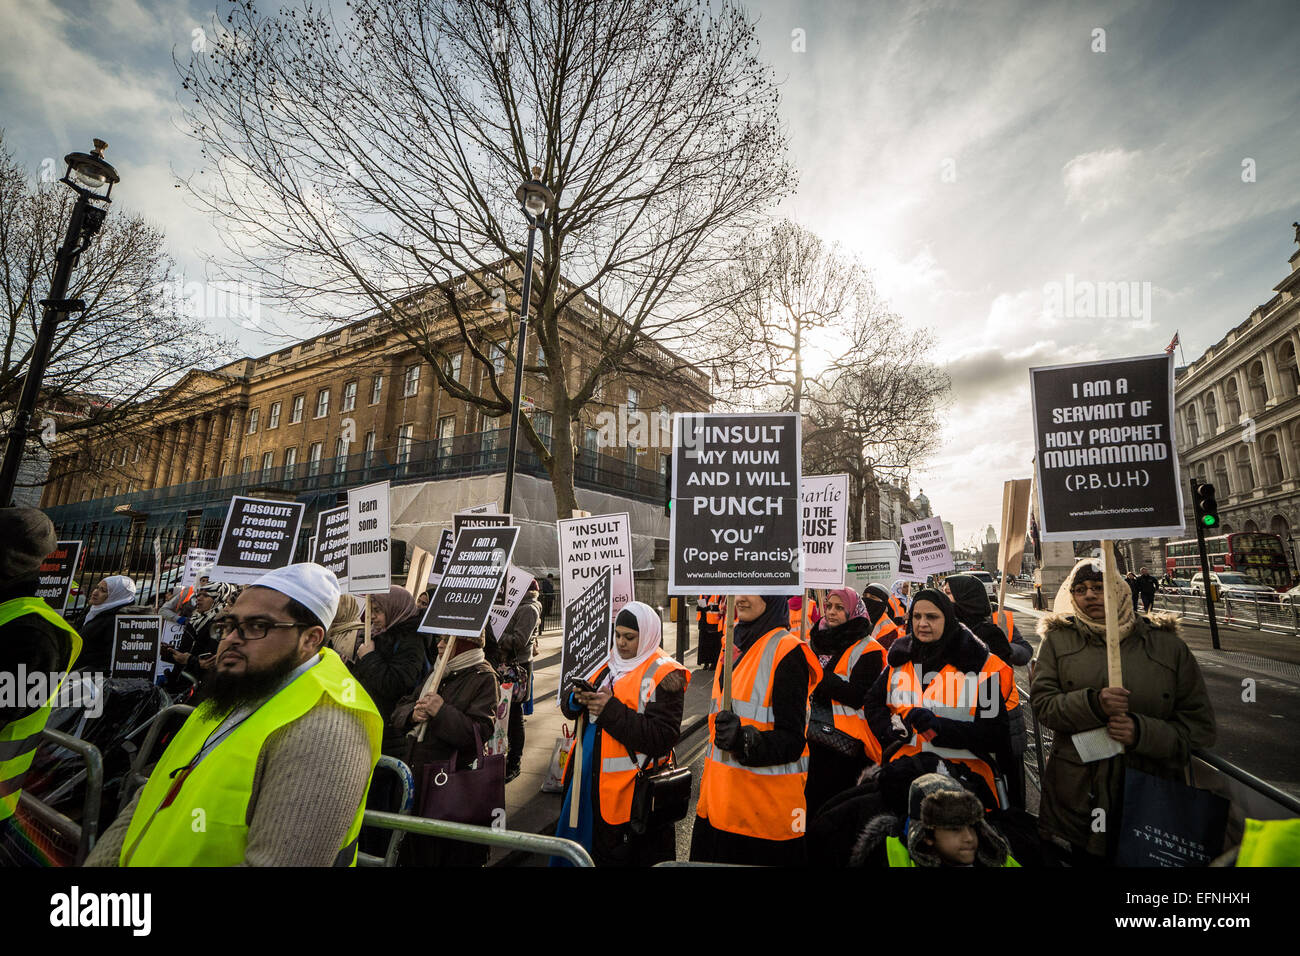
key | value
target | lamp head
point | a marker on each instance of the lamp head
(91, 169)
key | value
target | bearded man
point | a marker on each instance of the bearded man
(273, 767)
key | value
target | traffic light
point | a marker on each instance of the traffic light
(1207, 509)
(668, 486)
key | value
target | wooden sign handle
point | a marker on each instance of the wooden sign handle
(1114, 671)
(575, 785)
(805, 616)
(727, 654)
(367, 632)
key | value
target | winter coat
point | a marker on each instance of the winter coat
(515, 646)
(391, 671)
(97, 637)
(1146, 586)
(1168, 702)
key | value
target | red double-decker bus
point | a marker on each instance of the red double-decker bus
(1260, 557)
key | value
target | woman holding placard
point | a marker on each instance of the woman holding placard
(1158, 716)
(98, 625)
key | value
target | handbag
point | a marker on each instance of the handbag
(823, 732)
(660, 797)
(474, 794)
(554, 782)
(518, 675)
(1168, 823)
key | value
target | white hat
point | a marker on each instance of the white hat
(311, 585)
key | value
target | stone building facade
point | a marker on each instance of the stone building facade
(1238, 420)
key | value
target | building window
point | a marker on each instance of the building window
(405, 438)
(452, 367)
(340, 456)
(411, 383)
(369, 449)
(446, 432)
(268, 462)
(498, 352)
(252, 420)
(295, 410)
(137, 453)
(246, 466)
(633, 400)
(541, 357)
(314, 455)
(591, 441)
(542, 424)
(322, 403)
(376, 389)
(273, 416)
(349, 397)
(290, 462)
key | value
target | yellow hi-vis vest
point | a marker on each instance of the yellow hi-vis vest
(206, 822)
(18, 740)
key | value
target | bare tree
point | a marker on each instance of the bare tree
(371, 166)
(130, 344)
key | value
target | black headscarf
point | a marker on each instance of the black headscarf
(935, 650)
(971, 599)
(875, 600)
(775, 614)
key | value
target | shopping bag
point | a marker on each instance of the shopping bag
(560, 752)
(499, 745)
(464, 792)
(1167, 823)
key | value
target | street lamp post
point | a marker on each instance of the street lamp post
(534, 200)
(92, 173)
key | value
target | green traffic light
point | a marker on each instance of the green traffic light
(1209, 520)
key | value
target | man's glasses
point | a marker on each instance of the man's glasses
(253, 630)
(1082, 589)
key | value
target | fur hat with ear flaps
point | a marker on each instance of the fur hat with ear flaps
(940, 801)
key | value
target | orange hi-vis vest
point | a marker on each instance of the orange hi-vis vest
(796, 617)
(852, 720)
(1008, 624)
(618, 766)
(884, 628)
(896, 610)
(763, 802)
(715, 617)
(952, 694)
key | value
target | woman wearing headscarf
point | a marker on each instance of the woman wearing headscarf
(390, 664)
(840, 744)
(943, 692)
(634, 719)
(348, 630)
(900, 599)
(1160, 714)
(435, 723)
(111, 596)
(875, 602)
(194, 653)
(752, 808)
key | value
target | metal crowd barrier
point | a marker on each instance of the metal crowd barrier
(1244, 611)
(489, 836)
(138, 774)
(407, 781)
(87, 831)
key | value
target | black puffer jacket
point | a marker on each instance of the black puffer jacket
(391, 671)
(97, 637)
(975, 611)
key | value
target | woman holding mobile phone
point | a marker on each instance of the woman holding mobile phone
(634, 707)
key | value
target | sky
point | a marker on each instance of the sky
(978, 158)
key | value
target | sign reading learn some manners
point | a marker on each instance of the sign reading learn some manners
(587, 631)
(1105, 449)
(927, 546)
(825, 500)
(736, 514)
(56, 573)
(369, 564)
(259, 536)
(465, 596)
(136, 643)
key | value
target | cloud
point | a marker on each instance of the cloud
(1100, 180)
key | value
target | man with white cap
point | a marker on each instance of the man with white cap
(273, 767)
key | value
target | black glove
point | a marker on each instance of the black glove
(920, 720)
(822, 692)
(727, 731)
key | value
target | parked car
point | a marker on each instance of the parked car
(988, 583)
(1234, 584)
(1175, 586)
(1291, 598)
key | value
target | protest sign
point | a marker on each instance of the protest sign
(136, 641)
(1105, 449)
(735, 526)
(870, 562)
(589, 546)
(905, 570)
(479, 560)
(587, 633)
(331, 550)
(1015, 522)
(198, 564)
(369, 564)
(56, 573)
(259, 536)
(441, 556)
(825, 502)
(172, 632)
(475, 519)
(417, 575)
(927, 546)
(510, 595)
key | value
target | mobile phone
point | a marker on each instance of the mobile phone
(583, 686)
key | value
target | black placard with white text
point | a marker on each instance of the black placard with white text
(465, 596)
(587, 631)
(259, 536)
(332, 543)
(56, 573)
(136, 643)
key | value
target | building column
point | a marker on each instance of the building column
(236, 437)
(183, 434)
(155, 456)
(170, 438)
(221, 422)
(1221, 406)
(1247, 400)
(1272, 380)
(1287, 448)
(203, 451)
(1256, 465)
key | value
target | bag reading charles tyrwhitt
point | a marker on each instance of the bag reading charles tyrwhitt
(1167, 823)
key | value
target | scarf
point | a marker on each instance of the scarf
(345, 633)
(875, 609)
(776, 613)
(650, 630)
(854, 607)
(970, 597)
(458, 663)
(1120, 596)
(927, 653)
(398, 605)
(121, 591)
(220, 594)
(897, 591)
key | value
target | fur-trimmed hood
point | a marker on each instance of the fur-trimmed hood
(966, 652)
(871, 841)
(1156, 620)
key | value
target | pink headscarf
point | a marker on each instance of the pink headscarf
(853, 606)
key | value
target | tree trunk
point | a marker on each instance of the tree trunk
(566, 499)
